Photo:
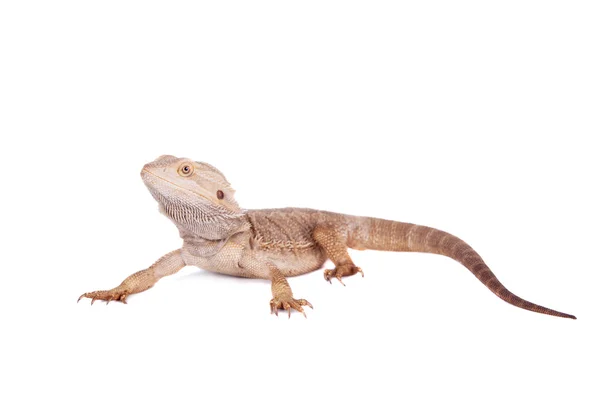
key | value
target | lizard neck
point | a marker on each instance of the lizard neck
(197, 222)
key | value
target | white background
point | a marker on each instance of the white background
(476, 119)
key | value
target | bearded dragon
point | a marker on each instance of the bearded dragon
(275, 244)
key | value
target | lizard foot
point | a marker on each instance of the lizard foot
(341, 271)
(287, 304)
(106, 295)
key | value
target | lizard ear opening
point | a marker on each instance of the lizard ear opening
(220, 194)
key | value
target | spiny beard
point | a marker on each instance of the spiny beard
(195, 217)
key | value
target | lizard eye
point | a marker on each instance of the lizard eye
(220, 194)
(186, 169)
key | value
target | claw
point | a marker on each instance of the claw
(327, 274)
(304, 302)
(274, 308)
(341, 271)
(288, 304)
(106, 295)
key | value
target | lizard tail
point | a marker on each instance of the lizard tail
(379, 234)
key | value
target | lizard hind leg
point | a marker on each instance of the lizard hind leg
(282, 295)
(334, 244)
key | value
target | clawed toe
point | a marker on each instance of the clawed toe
(343, 270)
(288, 304)
(106, 295)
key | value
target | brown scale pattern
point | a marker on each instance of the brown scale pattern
(416, 238)
(274, 244)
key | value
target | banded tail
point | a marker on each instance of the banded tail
(379, 234)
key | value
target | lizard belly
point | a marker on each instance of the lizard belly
(294, 263)
(226, 260)
(238, 260)
(228, 265)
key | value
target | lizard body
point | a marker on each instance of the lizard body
(274, 244)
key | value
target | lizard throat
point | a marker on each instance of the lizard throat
(194, 215)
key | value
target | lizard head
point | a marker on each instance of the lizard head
(194, 195)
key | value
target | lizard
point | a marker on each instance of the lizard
(275, 244)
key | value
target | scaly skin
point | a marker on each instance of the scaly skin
(274, 244)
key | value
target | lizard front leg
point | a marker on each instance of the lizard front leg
(282, 294)
(334, 243)
(141, 280)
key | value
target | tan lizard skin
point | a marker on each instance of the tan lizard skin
(274, 244)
